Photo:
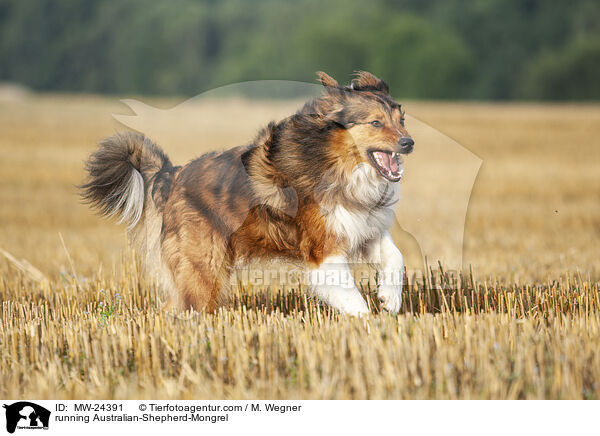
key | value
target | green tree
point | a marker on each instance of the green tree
(419, 61)
(571, 73)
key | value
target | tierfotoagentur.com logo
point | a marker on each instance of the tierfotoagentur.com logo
(24, 415)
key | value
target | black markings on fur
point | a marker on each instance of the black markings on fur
(111, 166)
(161, 186)
(197, 203)
(246, 158)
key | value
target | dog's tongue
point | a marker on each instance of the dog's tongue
(387, 161)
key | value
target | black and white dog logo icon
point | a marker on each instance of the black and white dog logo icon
(26, 415)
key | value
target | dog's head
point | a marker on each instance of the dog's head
(372, 123)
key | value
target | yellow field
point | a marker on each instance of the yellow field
(524, 324)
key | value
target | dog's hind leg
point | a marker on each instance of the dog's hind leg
(333, 283)
(199, 285)
(196, 255)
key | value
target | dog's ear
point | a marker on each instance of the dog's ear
(334, 113)
(337, 114)
(326, 80)
(367, 81)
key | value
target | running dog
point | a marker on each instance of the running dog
(316, 189)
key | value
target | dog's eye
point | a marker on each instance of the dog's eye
(402, 122)
(376, 123)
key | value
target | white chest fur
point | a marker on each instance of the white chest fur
(369, 213)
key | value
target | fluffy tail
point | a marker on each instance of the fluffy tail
(126, 170)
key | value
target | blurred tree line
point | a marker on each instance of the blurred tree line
(483, 49)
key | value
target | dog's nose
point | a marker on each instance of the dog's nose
(406, 144)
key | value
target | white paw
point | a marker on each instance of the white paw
(350, 303)
(390, 297)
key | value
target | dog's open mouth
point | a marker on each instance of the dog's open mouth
(389, 164)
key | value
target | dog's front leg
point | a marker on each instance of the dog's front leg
(389, 262)
(333, 283)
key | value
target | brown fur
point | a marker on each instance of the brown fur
(265, 200)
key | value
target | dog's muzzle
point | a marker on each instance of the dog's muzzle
(406, 144)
